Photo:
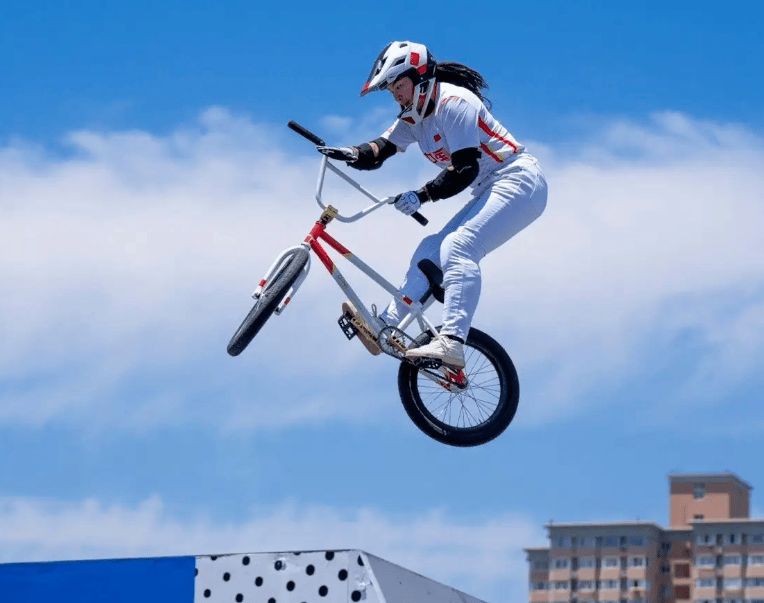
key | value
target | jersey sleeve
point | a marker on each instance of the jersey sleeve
(459, 121)
(400, 135)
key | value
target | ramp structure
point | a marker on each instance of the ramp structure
(338, 576)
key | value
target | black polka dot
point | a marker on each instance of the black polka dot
(226, 576)
(309, 570)
(239, 598)
(343, 575)
(290, 586)
(207, 593)
(245, 561)
(271, 600)
(355, 595)
(278, 565)
(360, 561)
(323, 591)
(196, 571)
(214, 557)
(329, 555)
(258, 581)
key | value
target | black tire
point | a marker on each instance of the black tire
(268, 301)
(483, 410)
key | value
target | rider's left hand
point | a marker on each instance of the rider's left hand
(349, 154)
(407, 203)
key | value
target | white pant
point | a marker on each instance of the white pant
(506, 202)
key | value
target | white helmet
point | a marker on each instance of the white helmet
(401, 59)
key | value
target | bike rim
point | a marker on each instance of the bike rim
(466, 409)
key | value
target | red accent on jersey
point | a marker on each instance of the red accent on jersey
(438, 155)
(437, 138)
(489, 152)
(262, 283)
(484, 126)
(414, 59)
(407, 300)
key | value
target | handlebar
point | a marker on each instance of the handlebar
(305, 133)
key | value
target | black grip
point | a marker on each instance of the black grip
(420, 218)
(306, 133)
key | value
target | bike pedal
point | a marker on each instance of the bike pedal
(427, 363)
(348, 328)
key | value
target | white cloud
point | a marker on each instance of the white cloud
(128, 264)
(483, 557)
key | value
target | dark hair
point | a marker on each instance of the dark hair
(461, 75)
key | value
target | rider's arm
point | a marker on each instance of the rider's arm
(459, 175)
(373, 154)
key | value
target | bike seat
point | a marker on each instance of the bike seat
(434, 277)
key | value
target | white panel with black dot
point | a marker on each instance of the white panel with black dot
(297, 577)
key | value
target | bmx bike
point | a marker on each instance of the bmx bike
(462, 407)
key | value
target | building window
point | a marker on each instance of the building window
(585, 562)
(611, 561)
(682, 570)
(638, 561)
(757, 538)
(561, 585)
(730, 583)
(682, 592)
(732, 538)
(704, 583)
(698, 517)
(541, 565)
(637, 541)
(539, 585)
(698, 491)
(609, 584)
(665, 546)
(586, 585)
(756, 560)
(611, 541)
(755, 582)
(665, 568)
(560, 564)
(705, 561)
(586, 542)
(732, 560)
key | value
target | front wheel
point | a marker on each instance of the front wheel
(268, 301)
(463, 416)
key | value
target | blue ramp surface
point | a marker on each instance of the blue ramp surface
(165, 580)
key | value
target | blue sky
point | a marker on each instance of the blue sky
(147, 179)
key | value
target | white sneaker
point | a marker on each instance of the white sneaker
(447, 350)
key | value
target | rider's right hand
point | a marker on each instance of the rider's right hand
(349, 154)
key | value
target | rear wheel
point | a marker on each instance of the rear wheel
(468, 415)
(268, 301)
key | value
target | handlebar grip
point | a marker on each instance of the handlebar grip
(420, 218)
(306, 133)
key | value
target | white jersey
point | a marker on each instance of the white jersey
(460, 121)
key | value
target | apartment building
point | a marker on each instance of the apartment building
(712, 552)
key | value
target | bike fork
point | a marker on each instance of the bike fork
(274, 270)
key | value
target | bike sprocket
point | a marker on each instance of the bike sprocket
(394, 342)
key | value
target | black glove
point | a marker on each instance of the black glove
(349, 154)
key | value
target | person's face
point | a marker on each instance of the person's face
(403, 91)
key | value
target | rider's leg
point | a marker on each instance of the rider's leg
(415, 283)
(509, 204)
